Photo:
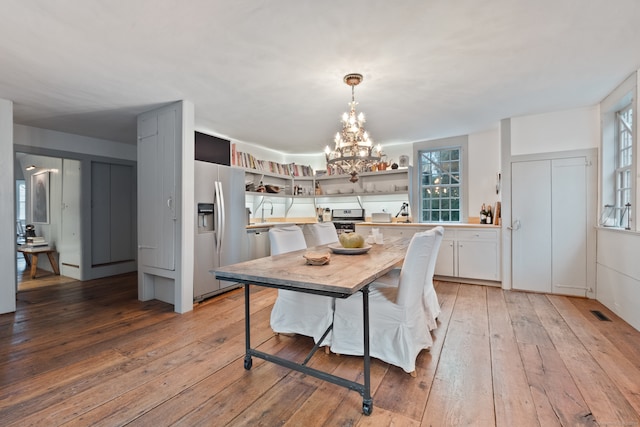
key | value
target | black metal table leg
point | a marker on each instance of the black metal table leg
(367, 401)
(248, 362)
(363, 389)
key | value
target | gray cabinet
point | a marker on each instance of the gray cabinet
(157, 151)
(112, 213)
(258, 245)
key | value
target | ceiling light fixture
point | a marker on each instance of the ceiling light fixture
(30, 167)
(354, 151)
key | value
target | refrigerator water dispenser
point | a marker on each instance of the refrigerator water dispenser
(205, 217)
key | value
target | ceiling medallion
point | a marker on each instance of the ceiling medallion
(353, 152)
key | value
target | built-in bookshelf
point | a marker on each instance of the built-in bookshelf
(249, 161)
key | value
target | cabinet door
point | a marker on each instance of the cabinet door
(446, 261)
(156, 196)
(121, 205)
(100, 214)
(257, 244)
(478, 259)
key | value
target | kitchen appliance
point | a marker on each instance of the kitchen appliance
(345, 219)
(404, 212)
(220, 225)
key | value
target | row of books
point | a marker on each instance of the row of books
(248, 161)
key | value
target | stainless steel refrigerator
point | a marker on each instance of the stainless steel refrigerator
(220, 235)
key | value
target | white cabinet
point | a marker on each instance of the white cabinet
(478, 254)
(467, 254)
(389, 230)
(446, 261)
(470, 253)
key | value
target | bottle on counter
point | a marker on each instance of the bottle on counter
(489, 215)
(483, 214)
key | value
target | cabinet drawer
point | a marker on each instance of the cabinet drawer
(477, 234)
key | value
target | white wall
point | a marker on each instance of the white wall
(618, 273)
(7, 211)
(484, 165)
(566, 130)
(37, 138)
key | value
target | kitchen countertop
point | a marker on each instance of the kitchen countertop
(302, 221)
(278, 221)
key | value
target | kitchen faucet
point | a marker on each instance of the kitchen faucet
(264, 203)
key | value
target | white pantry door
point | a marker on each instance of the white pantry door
(550, 225)
(531, 225)
(569, 226)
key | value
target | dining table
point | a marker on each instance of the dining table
(346, 273)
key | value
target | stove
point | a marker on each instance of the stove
(345, 219)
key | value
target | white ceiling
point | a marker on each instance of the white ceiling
(270, 72)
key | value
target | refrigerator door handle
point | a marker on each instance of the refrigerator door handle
(217, 208)
(223, 218)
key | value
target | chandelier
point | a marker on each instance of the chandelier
(353, 152)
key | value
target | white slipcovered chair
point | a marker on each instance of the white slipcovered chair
(429, 297)
(399, 317)
(298, 312)
(320, 233)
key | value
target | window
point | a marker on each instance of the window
(619, 169)
(624, 163)
(21, 200)
(440, 184)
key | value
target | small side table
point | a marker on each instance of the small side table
(34, 251)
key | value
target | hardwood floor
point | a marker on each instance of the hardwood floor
(89, 353)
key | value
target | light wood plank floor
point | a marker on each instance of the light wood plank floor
(88, 353)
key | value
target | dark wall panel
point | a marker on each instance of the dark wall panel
(212, 149)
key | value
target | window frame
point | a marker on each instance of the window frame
(611, 213)
(623, 169)
(460, 142)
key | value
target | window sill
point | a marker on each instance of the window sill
(617, 230)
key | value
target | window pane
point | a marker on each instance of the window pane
(440, 181)
(624, 160)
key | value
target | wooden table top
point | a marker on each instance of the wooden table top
(35, 249)
(343, 275)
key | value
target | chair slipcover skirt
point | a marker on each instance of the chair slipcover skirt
(396, 335)
(297, 312)
(403, 307)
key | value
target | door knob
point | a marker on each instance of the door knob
(516, 225)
